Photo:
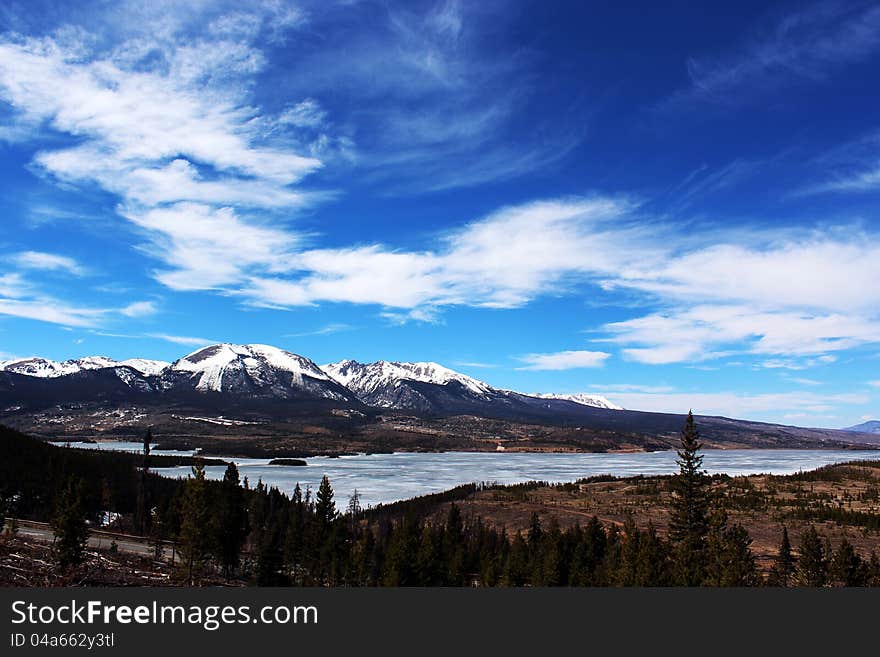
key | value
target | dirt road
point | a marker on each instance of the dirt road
(99, 540)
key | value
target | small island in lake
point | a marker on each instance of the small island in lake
(297, 462)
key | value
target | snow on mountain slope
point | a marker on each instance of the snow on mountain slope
(596, 401)
(369, 378)
(145, 366)
(50, 369)
(245, 368)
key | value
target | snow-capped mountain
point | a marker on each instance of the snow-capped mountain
(430, 387)
(423, 387)
(45, 368)
(596, 401)
(261, 374)
(250, 370)
(146, 366)
(388, 384)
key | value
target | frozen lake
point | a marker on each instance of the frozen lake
(383, 478)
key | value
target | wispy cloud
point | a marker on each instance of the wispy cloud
(875, 384)
(329, 329)
(52, 311)
(564, 360)
(478, 365)
(712, 331)
(40, 260)
(188, 341)
(849, 168)
(809, 44)
(140, 309)
(801, 405)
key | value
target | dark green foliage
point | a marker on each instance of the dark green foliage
(813, 560)
(846, 567)
(325, 507)
(729, 558)
(783, 570)
(69, 525)
(263, 536)
(36, 473)
(688, 522)
(231, 521)
(194, 523)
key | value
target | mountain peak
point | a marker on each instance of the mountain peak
(583, 398)
(218, 367)
(50, 369)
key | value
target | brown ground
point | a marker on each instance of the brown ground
(761, 503)
(27, 562)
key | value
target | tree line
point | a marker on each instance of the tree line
(259, 534)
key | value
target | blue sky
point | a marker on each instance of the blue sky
(674, 206)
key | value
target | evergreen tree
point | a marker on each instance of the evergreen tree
(294, 540)
(631, 546)
(873, 570)
(325, 507)
(651, 568)
(194, 524)
(231, 525)
(783, 570)
(454, 547)
(812, 564)
(143, 514)
(269, 559)
(688, 522)
(69, 525)
(354, 509)
(846, 567)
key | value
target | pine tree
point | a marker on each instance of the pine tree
(194, 524)
(325, 507)
(69, 525)
(269, 559)
(812, 564)
(231, 526)
(783, 570)
(846, 567)
(295, 539)
(454, 547)
(143, 499)
(651, 568)
(688, 522)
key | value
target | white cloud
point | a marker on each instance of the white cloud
(209, 248)
(139, 309)
(179, 144)
(329, 329)
(808, 270)
(182, 339)
(875, 384)
(732, 404)
(564, 360)
(52, 311)
(710, 331)
(47, 262)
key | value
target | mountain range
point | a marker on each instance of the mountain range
(261, 384)
(262, 372)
